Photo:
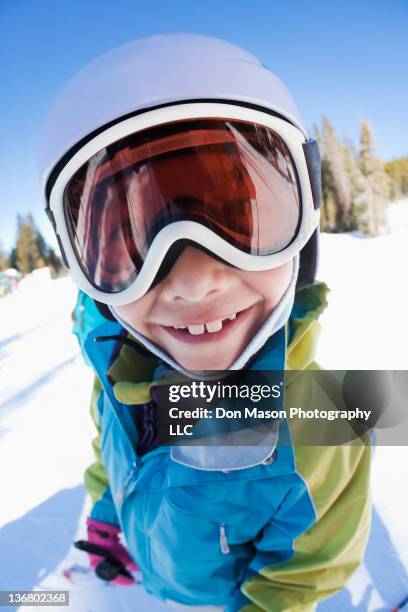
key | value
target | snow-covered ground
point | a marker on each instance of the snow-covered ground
(45, 430)
(365, 325)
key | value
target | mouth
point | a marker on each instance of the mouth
(208, 332)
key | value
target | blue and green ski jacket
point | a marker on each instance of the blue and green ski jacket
(277, 536)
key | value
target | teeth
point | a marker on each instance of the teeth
(211, 327)
(196, 330)
(214, 326)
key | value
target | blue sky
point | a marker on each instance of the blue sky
(346, 60)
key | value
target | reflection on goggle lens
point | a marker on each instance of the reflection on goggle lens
(233, 177)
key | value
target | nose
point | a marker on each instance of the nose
(197, 277)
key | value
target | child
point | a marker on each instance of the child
(185, 196)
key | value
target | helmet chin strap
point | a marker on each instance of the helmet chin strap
(277, 319)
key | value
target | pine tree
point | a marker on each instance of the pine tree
(328, 206)
(328, 211)
(54, 263)
(397, 170)
(31, 251)
(3, 259)
(360, 210)
(13, 258)
(378, 181)
(29, 246)
(336, 186)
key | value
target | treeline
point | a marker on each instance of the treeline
(397, 170)
(356, 184)
(30, 250)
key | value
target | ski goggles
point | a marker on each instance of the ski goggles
(239, 183)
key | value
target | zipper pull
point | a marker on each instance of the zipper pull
(225, 549)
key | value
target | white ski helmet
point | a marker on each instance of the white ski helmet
(163, 71)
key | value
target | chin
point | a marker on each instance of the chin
(201, 365)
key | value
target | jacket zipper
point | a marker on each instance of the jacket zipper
(148, 429)
(225, 549)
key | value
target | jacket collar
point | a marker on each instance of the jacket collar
(304, 328)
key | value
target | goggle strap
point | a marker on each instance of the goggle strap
(312, 155)
(51, 217)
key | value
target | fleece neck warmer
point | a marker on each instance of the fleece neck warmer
(276, 320)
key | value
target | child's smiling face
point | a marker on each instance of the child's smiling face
(200, 291)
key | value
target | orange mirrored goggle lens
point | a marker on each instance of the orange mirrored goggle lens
(234, 177)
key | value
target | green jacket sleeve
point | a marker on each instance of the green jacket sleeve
(96, 479)
(328, 553)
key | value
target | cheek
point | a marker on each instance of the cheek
(271, 284)
(136, 312)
